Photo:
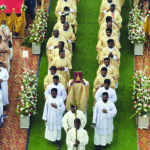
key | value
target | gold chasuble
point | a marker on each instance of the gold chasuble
(78, 94)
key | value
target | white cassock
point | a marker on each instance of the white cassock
(53, 117)
(104, 122)
(68, 119)
(4, 85)
(61, 90)
(82, 136)
(1, 107)
(111, 94)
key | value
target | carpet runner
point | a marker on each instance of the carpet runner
(11, 136)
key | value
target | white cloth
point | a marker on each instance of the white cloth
(114, 57)
(103, 140)
(68, 119)
(53, 117)
(4, 85)
(111, 94)
(1, 106)
(82, 136)
(61, 91)
(52, 135)
(104, 121)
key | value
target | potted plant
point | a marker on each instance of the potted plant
(136, 31)
(27, 98)
(38, 31)
(141, 98)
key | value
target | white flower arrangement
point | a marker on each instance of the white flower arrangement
(141, 93)
(23, 8)
(3, 7)
(135, 26)
(39, 27)
(27, 98)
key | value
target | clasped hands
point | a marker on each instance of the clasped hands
(76, 143)
(54, 105)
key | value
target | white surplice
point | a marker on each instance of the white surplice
(61, 90)
(68, 119)
(53, 117)
(111, 94)
(82, 136)
(104, 122)
(4, 85)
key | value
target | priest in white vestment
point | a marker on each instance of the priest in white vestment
(52, 115)
(104, 112)
(77, 142)
(4, 76)
(111, 92)
(68, 119)
(61, 91)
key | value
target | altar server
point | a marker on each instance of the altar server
(111, 92)
(52, 115)
(77, 142)
(61, 91)
(68, 119)
(104, 112)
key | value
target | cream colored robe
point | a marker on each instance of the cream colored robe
(117, 18)
(99, 81)
(60, 7)
(102, 42)
(55, 53)
(82, 136)
(106, 6)
(111, 70)
(78, 94)
(58, 62)
(54, 42)
(69, 36)
(49, 79)
(4, 57)
(114, 62)
(69, 117)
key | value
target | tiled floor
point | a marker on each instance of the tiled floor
(11, 136)
(143, 134)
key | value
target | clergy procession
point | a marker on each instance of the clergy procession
(68, 71)
(60, 48)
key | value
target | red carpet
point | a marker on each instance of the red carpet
(10, 4)
(11, 136)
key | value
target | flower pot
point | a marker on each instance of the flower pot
(24, 122)
(36, 48)
(138, 49)
(143, 122)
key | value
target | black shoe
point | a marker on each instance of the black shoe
(58, 145)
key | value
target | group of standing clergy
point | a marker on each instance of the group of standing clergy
(106, 82)
(59, 52)
(6, 54)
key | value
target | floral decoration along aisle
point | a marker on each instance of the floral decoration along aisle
(38, 30)
(141, 98)
(27, 98)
